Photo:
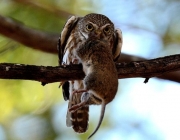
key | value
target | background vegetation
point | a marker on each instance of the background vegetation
(29, 111)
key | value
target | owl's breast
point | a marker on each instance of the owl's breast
(73, 42)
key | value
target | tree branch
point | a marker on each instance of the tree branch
(48, 74)
(27, 36)
(149, 68)
(48, 42)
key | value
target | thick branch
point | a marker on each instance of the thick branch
(27, 36)
(149, 68)
(48, 42)
(146, 69)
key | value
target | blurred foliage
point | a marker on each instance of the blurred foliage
(33, 112)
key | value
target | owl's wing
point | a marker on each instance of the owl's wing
(118, 40)
(79, 119)
(65, 34)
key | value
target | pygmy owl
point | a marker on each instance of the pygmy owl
(75, 33)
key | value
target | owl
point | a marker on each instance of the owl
(75, 33)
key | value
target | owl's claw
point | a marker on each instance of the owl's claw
(76, 107)
(84, 100)
(79, 91)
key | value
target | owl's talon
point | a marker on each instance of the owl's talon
(74, 108)
(79, 91)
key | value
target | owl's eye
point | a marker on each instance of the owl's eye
(107, 29)
(89, 27)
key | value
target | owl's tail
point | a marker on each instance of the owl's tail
(79, 118)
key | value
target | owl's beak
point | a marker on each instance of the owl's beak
(98, 33)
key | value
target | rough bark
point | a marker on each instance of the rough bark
(48, 74)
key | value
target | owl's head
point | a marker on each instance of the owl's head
(96, 26)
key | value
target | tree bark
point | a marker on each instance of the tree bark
(47, 74)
